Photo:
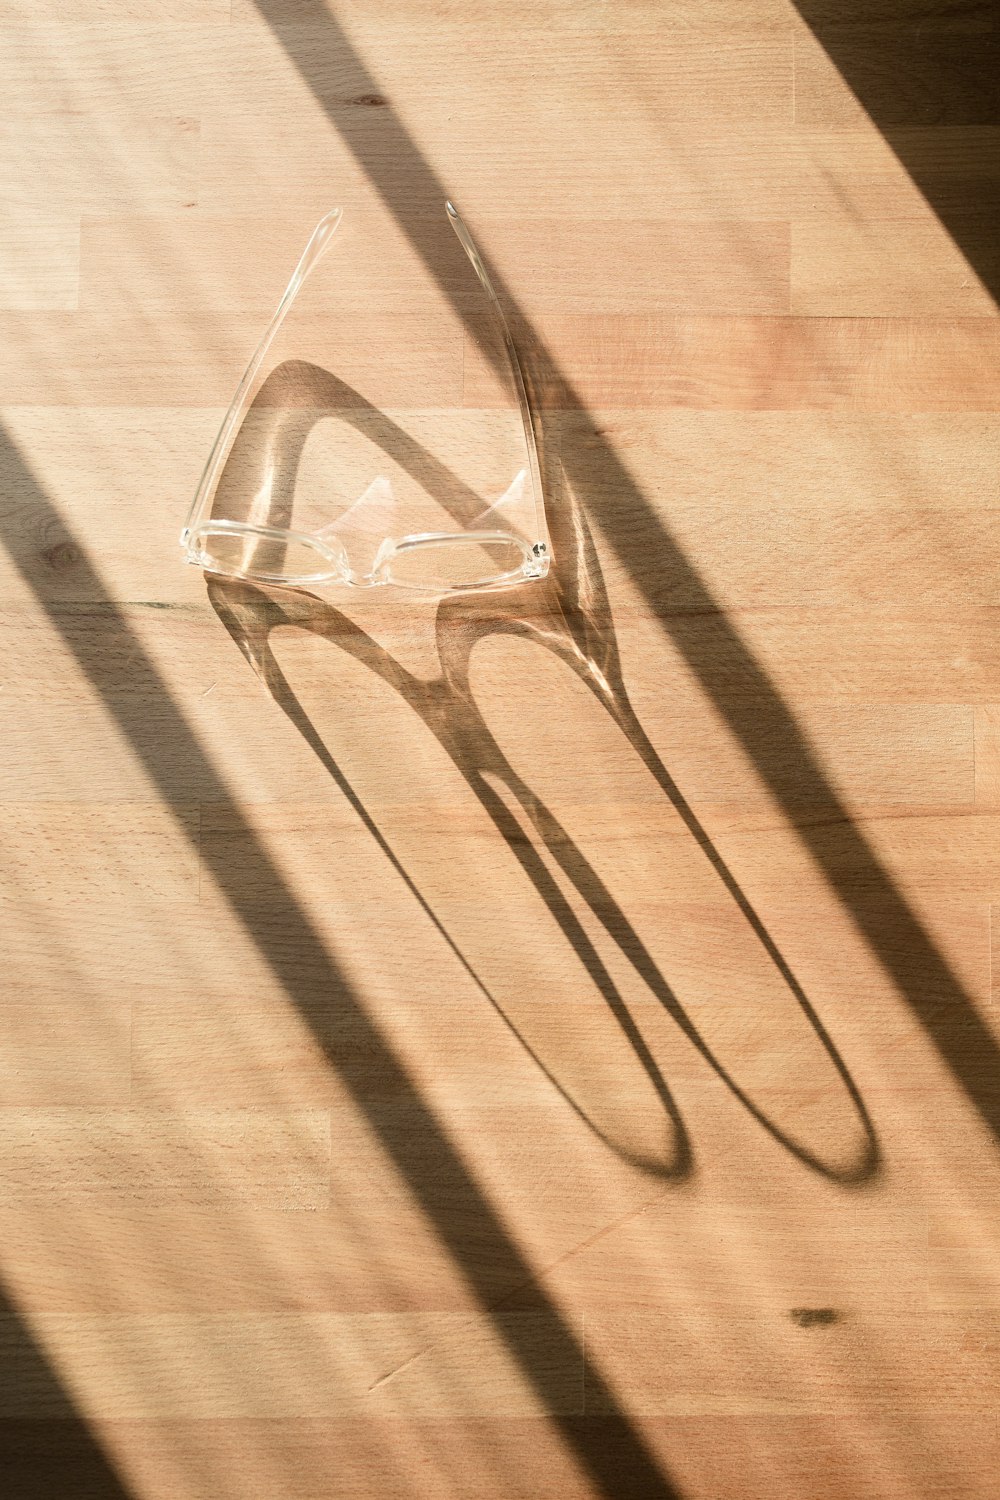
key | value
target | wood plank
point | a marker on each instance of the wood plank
(765, 172)
(780, 460)
(857, 744)
(841, 268)
(63, 359)
(829, 364)
(103, 12)
(729, 74)
(62, 850)
(278, 1160)
(644, 16)
(630, 266)
(135, 1368)
(812, 1363)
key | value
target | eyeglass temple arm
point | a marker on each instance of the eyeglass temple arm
(318, 243)
(469, 246)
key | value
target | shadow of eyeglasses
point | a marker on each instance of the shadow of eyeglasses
(569, 615)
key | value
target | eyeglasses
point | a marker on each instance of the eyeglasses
(421, 492)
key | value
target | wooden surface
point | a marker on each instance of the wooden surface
(543, 1047)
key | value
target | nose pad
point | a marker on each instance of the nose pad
(363, 532)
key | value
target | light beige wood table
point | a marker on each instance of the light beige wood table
(576, 1075)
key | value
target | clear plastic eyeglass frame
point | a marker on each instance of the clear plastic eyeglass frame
(499, 542)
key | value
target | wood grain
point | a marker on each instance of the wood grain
(634, 265)
(824, 364)
(537, 1044)
(893, 269)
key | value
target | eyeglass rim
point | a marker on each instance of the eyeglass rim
(531, 566)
